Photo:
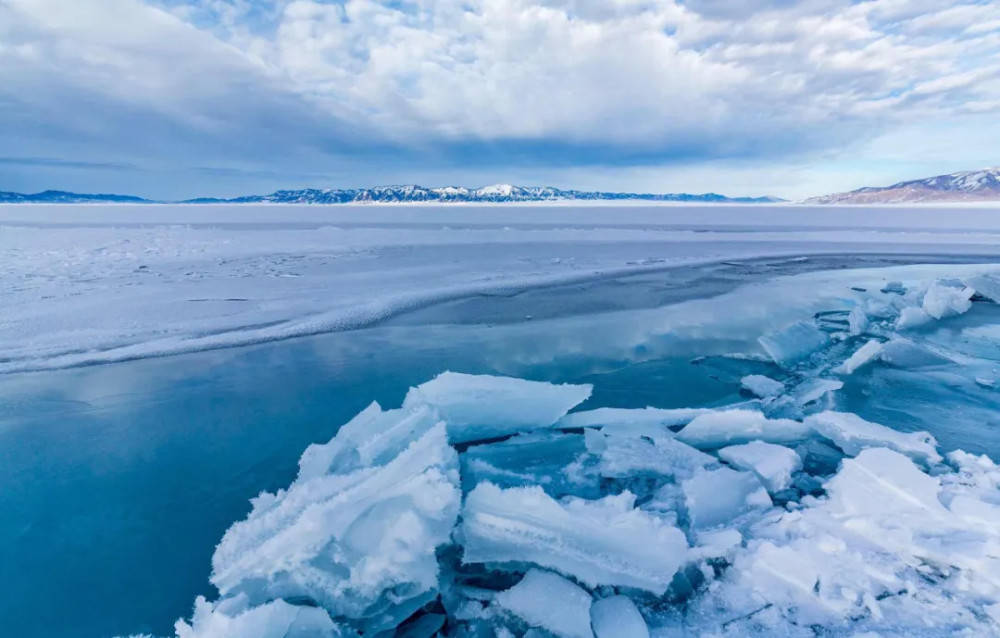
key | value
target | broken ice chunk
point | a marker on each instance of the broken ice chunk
(613, 417)
(852, 434)
(814, 389)
(715, 497)
(373, 437)
(773, 464)
(478, 407)
(726, 427)
(793, 343)
(617, 617)
(275, 619)
(987, 285)
(536, 458)
(862, 356)
(761, 386)
(549, 601)
(624, 454)
(912, 317)
(360, 545)
(601, 542)
(857, 322)
(942, 301)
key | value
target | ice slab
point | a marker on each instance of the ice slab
(717, 497)
(912, 317)
(616, 417)
(599, 542)
(617, 617)
(857, 322)
(549, 601)
(623, 454)
(762, 386)
(773, 464)
(942, 301)
(852, 434)
(233, 618)
(536, 458)
(373, 437)
(479, 407)
(987, 285)
(361, 544)
(793, 343)
(861, 357)
(728, 427)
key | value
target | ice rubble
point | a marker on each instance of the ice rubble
(482, 507)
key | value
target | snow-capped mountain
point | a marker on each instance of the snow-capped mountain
(410, 193)
(494, 193)
(965, 186)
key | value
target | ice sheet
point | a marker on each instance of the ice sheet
(90, 284)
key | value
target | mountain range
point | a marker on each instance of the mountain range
(496, 193)
(965, 186)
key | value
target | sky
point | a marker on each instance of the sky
(182, 98)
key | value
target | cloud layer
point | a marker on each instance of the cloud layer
(364, 90)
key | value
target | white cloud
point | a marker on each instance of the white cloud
(305, 83)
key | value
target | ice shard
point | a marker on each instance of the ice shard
(599, 542)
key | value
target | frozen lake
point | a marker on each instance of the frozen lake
(118, 480)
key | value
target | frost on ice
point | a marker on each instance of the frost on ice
(484, 506)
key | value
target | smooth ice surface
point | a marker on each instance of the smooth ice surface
(477, 407)
(598, 542)
(617, 617)
(728, 427)
(852, 434)
(773, 464)
(549, 601)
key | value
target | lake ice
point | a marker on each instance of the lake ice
(760, 447)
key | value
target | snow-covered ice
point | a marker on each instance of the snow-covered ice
(92, 284)
(773, 464)
(617, 617)
(549, 601)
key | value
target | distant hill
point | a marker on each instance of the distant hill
(63, 197)
(496, 193)
(447, 194)
(965, 186)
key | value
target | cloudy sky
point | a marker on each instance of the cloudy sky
(177, 98)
